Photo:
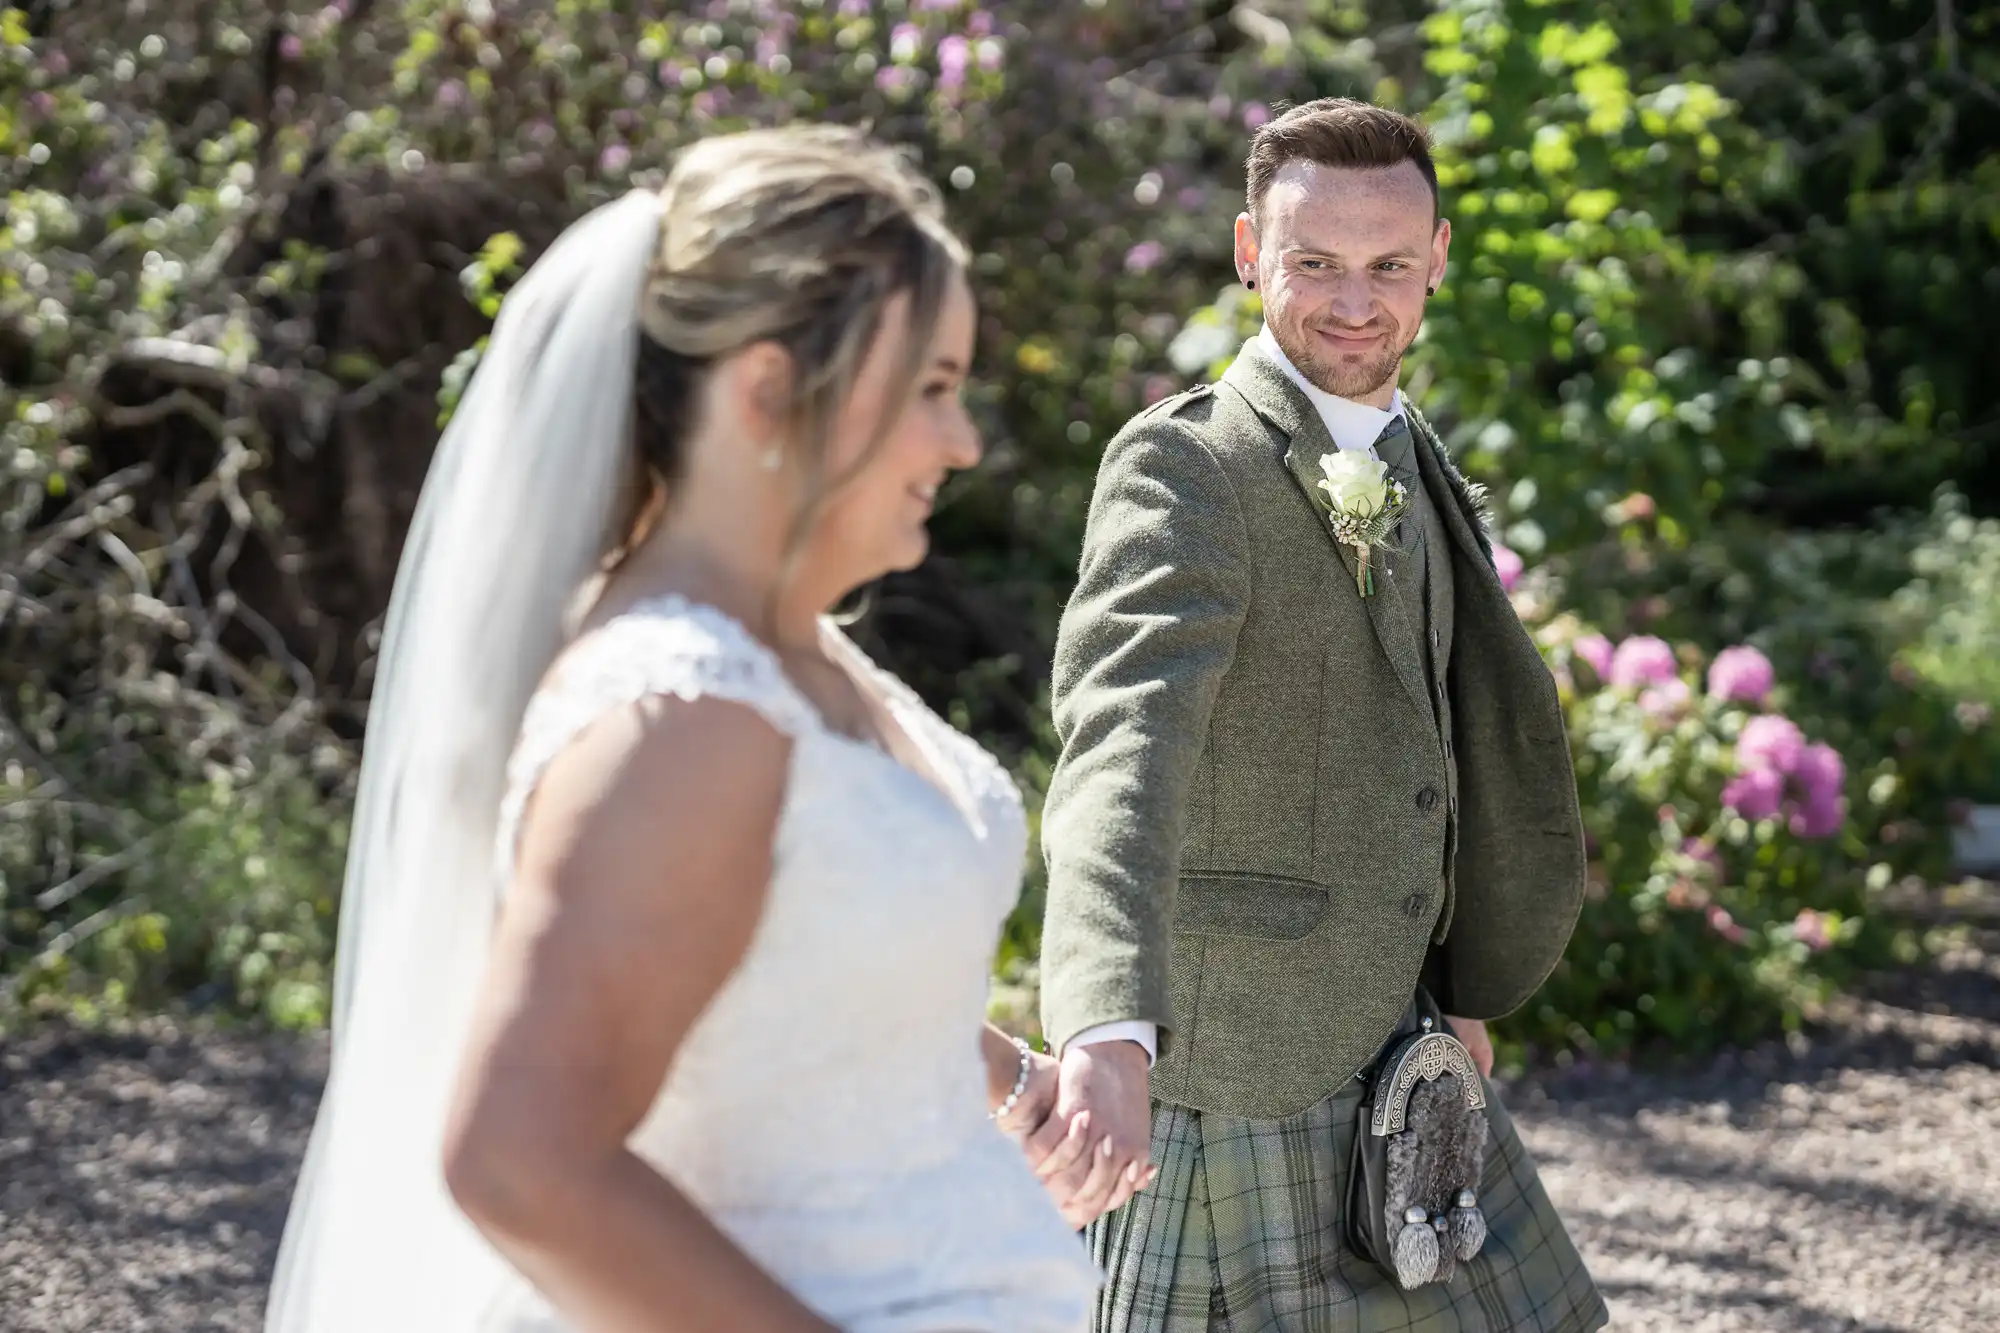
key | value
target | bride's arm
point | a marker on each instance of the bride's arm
(643, 868)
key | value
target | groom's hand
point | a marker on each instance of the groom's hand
(1471, 1034)
(1094, 1153)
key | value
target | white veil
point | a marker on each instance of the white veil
(516, 512)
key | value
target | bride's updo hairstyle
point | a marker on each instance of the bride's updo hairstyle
(799, 237)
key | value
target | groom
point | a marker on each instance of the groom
(1290, 793)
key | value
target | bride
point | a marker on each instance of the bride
(673, 1019)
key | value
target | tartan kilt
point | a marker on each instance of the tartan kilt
(1241, 1232)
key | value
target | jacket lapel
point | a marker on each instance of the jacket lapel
(1465, 516)
(1303, 435)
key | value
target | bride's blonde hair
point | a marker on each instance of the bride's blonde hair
(798, 236)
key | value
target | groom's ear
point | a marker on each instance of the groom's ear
(1247, 249)
(1440, 252)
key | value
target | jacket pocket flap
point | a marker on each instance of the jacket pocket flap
(1253, 906)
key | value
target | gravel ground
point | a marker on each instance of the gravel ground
(1845, 1184)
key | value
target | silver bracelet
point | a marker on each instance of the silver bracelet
(1020, 1081)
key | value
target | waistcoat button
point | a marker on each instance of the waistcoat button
(1414, 905)
(1427, 799)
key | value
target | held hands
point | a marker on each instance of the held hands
(1088, 1132)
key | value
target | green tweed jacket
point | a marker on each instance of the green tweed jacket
(1258, 834)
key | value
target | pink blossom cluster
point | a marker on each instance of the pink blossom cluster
(1644, 663)
(1813, 930)
(1778, 772)
(1725, 925)
(1741, 675)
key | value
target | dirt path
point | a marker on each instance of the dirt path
(1848, 1185)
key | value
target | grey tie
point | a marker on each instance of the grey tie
(1395, 447)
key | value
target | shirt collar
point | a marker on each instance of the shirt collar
(1352, 425)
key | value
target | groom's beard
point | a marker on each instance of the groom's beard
(1349, 375)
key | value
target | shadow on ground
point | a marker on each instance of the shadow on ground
(1845, 1182)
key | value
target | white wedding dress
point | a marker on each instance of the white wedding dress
(828, 1109)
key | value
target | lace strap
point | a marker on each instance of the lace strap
(668, 647)
(886, 683)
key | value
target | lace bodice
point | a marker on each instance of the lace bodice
(828, 1109)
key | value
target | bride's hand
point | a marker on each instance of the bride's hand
(1038, 1099)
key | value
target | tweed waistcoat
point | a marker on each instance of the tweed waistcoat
(1423, 634)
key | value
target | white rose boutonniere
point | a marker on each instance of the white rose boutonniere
(1364, 503)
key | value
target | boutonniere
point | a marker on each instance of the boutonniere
(1365, 503)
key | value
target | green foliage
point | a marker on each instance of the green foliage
(485, 281)
(204, 866)
(1717, 272)
(1951, 612)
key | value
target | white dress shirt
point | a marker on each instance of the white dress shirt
(1353, 427)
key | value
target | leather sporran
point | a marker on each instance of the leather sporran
(1419, 1151)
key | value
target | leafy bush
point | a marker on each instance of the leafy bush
(201, 866)
(1950, 615)
(1705, 275)
(1728, 876)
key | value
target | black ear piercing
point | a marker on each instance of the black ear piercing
(1430, 291)
(1251, 283)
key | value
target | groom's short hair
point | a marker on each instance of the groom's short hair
(1337, 132)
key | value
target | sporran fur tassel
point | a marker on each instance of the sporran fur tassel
(1416, 1250)
(1468, 1225)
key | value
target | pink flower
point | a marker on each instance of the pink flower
(1255, 114)
(1666, 698)
(980, 24)
(1756, 794)
(851, 9)
(1596, 650)
(1725, 925)
(1822, 816)
(1811, 929)
(1820, 771)
(1144, 256)
(1643, 660)
(1702, 852)
(1741, 675)
(290, 47)
(1509, 566)
(1770, 742)
(614, 159)
(451, 93)
(1158, 387)
(954, 54)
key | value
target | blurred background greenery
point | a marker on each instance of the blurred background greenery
(1717, 335)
